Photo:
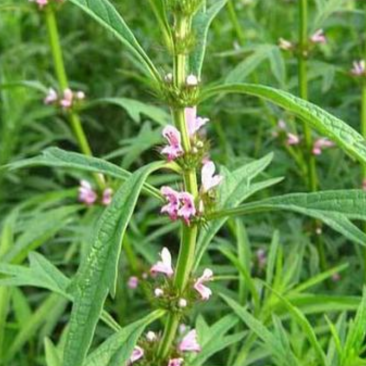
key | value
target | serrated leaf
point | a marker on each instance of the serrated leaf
(334, 208)
(105, 14)
(325, 123)
(235, 188)
(117, 349)
(97, 275)
(56, 157)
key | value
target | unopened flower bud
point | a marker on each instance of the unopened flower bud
(158, 292)
(151, 336)
(182, 303)
(192, 80)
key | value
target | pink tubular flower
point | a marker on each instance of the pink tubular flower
(209, 179)
(107, 196)
(321, 144)
(175, 362)
(199, 286)
(86, 193)
(51, 96)
(284, 44)
(66, 101)
(173, 206)
(292, 139)
(319, 37)
(165, 265)
(40, 3)
(190, 343)
(137, 353)
(188, 209)
(133, 282)
(194, 123)
(359, 68)
(174, 149)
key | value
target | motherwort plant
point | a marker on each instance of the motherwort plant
(201, 201)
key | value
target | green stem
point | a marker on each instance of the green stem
(363, 132)
(235, 21)
(61, 75)
(189, 233)
(303, 91)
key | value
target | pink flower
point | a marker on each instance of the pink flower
(292, 139)
(133, 282)
(174, 149)
(86, 193)
(187, 209)
(173, 206)
(209, 179)
(190, 343)
(107, 196)
(66, 101)
(194, 123)
(284, 44)
(359, 68)
(175, 362)
(199, 286)
(41, 3)
(137, 353)
(165, 265)
(51, 96)
(319, 37)
(321, 144)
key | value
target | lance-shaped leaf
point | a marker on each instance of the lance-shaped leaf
(104, 13)
(116, 350)
(55, 157)
(325, 123)
(235, 188)
(201, 25)
(334, 208)
(97, 275)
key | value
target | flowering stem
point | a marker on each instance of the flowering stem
(303, 91)
(61, 75)
(189, 233)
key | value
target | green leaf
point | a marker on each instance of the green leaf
(235, 188)
(53, 357)
(116, 350)
(334, 208)
(326, 124)
(201, 25)
(56, 157)
(105, 14)
(136, 109)
(97, 275)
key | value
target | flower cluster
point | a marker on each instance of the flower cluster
(359, 68)
(164, 266)
(317, 38)
(293, 139)
(189, 343)
(66, 101)
(42, 3)
(89, 196)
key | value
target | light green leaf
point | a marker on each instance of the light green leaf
(235, 188)
(326, 124)
(105, 14)
(117, 349)
(97, 275)
(334, 208)
(56, 157)
(201, 25)
(53, 357)
(136, 109)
